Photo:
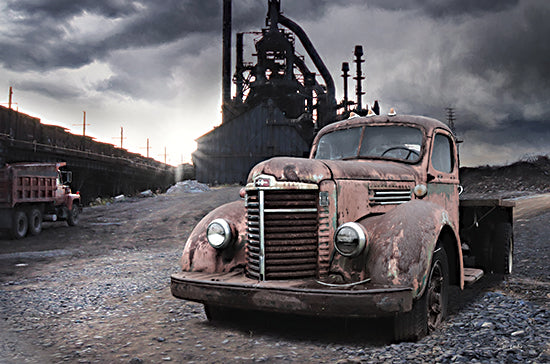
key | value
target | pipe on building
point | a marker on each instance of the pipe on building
(312, 52)
(226, 52)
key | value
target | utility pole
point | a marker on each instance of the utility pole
(451, 119)
(147, 147)
(83, 124)
(165, 155)
(121, 136)
(9, 98)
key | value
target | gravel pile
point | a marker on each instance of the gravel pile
(190, 186)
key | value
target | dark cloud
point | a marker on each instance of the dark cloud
(35, 9)
(445, 8)
(41, 38)
(172, 20)
(54, 91)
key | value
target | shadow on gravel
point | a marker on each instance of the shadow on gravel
(377, 332)
(459, 299)
(308, 329)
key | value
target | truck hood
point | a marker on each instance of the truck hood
(316, 170)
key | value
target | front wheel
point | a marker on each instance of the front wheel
(431, 308)
(74, 215)
(221, 313)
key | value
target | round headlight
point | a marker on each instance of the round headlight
(350, 239)
(218, 233)
(420, 190)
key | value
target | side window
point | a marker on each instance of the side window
(442, 154)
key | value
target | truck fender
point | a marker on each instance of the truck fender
(72, 199)
(402, 242)
(200, 256)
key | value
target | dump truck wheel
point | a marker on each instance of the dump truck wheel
(35, 221)
(74, 215)
(503, 248)
(430, 310)
(20, 224)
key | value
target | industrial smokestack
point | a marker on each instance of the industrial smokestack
(345, 75)
(359, 77)
(226, 53)
(240, 66)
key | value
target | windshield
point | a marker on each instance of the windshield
(339, 144)
(392, 142)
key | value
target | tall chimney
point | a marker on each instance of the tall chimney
(345, 76)
(359, 77)
(240, 67)
(226, 56)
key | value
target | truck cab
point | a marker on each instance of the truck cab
(367, 226)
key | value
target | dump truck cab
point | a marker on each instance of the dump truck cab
(367, 226)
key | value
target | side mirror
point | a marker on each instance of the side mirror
(67, 177)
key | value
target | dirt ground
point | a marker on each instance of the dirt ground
(99, 292)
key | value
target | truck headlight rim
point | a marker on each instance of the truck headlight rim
(352, 229)
(218, 233)
(420, 190)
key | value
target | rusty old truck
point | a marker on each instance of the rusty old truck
(370, 225)
(31, 193)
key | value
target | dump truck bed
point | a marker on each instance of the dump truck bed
(27, 182)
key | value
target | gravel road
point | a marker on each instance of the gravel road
(99, 293)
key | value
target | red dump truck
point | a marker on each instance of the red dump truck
(31, 193)
(371, 225)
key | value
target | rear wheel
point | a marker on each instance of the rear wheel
(503, 248)
(35, 221)
(20, 224)
(431, 308)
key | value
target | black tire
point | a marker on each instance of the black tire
(74, 215)
(35, 221)
(431, 308)
(20, 224)
(503, 248)
(220, 313)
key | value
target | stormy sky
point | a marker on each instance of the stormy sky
(154, 67)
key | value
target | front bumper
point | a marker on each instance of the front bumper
(304, 297)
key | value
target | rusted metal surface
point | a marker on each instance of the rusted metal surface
(285, 259)
(199, 256)
(296, 296)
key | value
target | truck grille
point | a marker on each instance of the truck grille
(389, 197)
(282, 234)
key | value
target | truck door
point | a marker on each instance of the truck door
(60, 189)
(443, 179)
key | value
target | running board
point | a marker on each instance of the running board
(472, 275)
